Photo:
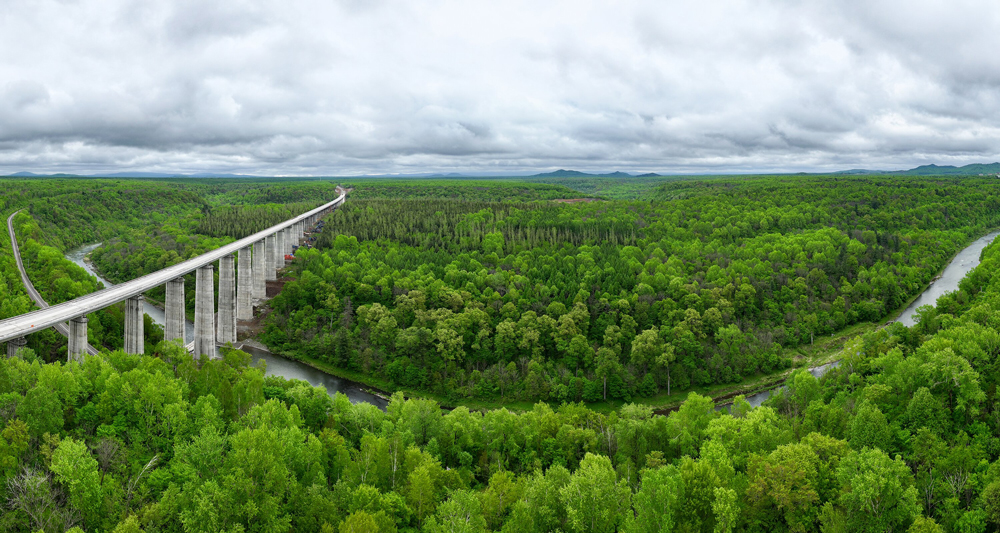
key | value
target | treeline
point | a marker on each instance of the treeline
(901, 436)
(468, 189)
(239, 221)
(620, 299)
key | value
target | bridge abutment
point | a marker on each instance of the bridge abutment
(174, 311)
(134, 340)
(204, 311)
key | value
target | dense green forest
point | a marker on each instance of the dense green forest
(493, 290)
(901, 436)
(705, 282)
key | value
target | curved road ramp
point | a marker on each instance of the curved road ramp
(259, 257)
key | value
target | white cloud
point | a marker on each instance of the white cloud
(315, 87)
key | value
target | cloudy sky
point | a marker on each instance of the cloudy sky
(297, 87)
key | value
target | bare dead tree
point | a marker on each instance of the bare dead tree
(33, 493)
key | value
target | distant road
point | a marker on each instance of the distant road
(61, 327)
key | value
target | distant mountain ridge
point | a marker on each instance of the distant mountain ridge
(974, 169)
(563, 173)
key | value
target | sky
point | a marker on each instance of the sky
(350, 87)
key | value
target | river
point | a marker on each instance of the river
(276, 366)
(956, 270)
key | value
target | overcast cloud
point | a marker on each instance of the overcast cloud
(296, 87)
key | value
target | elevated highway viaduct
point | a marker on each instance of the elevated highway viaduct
(258, 257)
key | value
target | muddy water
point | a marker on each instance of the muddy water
(276, 366)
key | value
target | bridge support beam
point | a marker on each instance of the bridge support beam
(227, 300)
(77, 339)
(174, 311)
(14, 345)
(271, 256)
(259, 264)
(204, 311)
(134, 339)
(244, 285)
(289, 239)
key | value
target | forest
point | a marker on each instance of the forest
(495, 291)
(706, 282)
(901, 436)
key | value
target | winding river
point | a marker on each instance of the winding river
(276, 366)
(960, 265)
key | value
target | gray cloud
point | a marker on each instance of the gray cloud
(314, 87)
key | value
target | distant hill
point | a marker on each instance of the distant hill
(562, 173)
(974, 169)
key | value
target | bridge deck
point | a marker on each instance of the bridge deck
(38, 320)
(29, 287)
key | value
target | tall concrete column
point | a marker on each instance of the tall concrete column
(259, 264)
(77, 339)
(279, 250)
(227, 300)
(289, 240)
(271, 256)
(14, 345)
(204, 312)
(133, 325)
(175, 311)
(244, 286)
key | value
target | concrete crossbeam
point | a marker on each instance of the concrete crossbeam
(134, 340)
(227, 300)
(174, 311)
(204, 311)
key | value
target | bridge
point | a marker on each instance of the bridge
(245, 266)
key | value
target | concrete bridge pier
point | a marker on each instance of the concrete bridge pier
(289, 239)
(279, 250)
(77, 339)
(14, 345)
(271, 255)
(174, 311)
(227, 300)
(259, 264)
(133, 325)
(204, 311)
(244, 285)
